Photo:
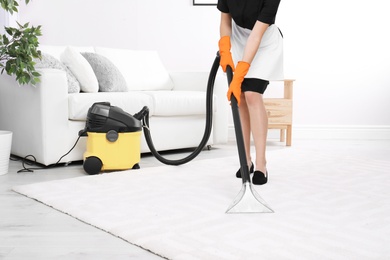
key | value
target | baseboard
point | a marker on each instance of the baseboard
(331, 132)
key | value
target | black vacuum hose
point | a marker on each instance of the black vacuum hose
(208, 126)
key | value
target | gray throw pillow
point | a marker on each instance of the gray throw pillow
(50, 62)
(108, 75)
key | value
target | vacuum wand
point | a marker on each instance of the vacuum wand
(247, 200)
(238, 130)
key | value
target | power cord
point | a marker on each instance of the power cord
(27, 161)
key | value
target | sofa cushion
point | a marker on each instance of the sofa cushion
(179, 103)
(50, 62)
(81, 69)
(143, 70)
(109, 77)
(57, 50)
(131, 102)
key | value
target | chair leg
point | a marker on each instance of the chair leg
(282, 135)
(289, 135)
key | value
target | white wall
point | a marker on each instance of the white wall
(186, 36)
(338, 50)
(6, 19)
(2, 21)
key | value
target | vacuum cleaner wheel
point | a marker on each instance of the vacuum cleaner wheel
(92, 165)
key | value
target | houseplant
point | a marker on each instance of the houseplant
(19, 48)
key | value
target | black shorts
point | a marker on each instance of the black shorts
(254, 85)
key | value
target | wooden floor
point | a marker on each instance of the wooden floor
(31, 230)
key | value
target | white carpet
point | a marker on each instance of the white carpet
(326, 207)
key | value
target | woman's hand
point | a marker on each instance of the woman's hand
(238, 77)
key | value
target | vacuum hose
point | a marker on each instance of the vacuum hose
(144, 115)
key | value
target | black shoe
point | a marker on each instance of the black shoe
(238, 173)
(259, 178)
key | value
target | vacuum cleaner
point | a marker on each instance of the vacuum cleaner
(114, 143)
(114, 136)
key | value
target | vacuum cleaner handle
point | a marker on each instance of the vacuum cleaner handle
(142, 113)
(238, 130)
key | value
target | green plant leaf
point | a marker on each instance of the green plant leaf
(19, 48)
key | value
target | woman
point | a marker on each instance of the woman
(250, 40)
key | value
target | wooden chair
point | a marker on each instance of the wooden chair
(279, 112)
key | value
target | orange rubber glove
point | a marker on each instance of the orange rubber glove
(238, 77)
(225, 54)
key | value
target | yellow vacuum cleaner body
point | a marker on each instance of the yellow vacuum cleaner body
(114, 139)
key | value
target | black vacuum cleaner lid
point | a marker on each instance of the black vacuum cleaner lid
(102, 117)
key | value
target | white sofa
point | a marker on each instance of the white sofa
(45, 120)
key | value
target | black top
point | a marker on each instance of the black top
(245, 13)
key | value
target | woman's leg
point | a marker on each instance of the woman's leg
(257, 116)
(246, 128)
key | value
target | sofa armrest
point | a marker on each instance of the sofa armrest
(198, 81)
(36, 115)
